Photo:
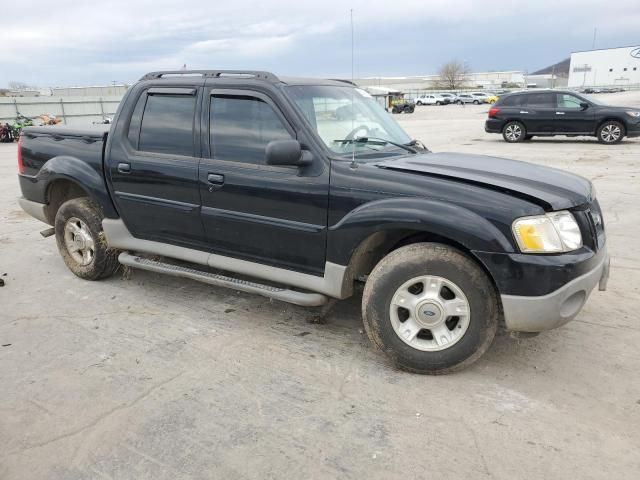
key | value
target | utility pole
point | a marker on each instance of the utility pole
(595, 34)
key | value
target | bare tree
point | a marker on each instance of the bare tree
(453, 75)
(13, 85)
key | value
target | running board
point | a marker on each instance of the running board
(278, 293)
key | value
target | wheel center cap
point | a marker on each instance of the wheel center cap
(429, 314)
(79, 241)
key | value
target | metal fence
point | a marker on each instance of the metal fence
(74, 111)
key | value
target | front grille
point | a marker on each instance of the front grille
(596, 224)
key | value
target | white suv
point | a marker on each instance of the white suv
(432, 99)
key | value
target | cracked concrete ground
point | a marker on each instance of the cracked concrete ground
(157, 377)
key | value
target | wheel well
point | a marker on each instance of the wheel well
(614, 119)
(378, 245)
(59, 192)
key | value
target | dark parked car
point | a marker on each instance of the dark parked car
(249, 181)
(520, 116)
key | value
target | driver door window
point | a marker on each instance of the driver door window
(241, 127)
(569, 102)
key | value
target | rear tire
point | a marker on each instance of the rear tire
(610, 132)
(433, 281)
(476, 102)
(514, 132)
(81, 240)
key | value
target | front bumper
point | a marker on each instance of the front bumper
(539, 313)
(633, 129)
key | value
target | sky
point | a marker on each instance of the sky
(91, 42)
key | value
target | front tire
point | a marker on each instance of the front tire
(430, 308)
(514, 132)
(610, 132)
(476, 102)
(81, 241)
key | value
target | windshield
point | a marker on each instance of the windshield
(343, 114)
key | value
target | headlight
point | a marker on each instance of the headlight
(633, 114)
(550, 233)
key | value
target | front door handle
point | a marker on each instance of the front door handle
(523, 111)
(559, 113)
(215, 178)
(124, 167)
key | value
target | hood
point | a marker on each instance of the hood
(551, 188)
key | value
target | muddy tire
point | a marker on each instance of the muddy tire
(81, 241)
(448, 301)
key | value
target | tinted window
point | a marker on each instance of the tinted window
(541, 99)
(512, 101)
(241, 127)
(167, 124)
(569, 101)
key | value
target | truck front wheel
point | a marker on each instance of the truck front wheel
(430, 308)
(81, 241)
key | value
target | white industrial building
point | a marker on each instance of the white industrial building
(477, 80)
(610, 66)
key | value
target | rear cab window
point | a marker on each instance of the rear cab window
(542, 100)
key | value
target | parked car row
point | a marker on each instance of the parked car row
(475, 98)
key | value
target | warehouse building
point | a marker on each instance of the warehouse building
(610, 66)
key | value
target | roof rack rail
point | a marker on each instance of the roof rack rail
(256, 74)
(350, 82)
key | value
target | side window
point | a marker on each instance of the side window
(167, 124)
(513, 101)
(541, 100)
(569, 101)
(241, 127)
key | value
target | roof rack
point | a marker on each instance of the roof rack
(256, 74)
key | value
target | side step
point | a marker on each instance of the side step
(278, 293)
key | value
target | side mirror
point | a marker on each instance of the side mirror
(286, 152)
(584, 105)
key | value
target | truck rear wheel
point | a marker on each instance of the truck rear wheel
(81, 241)
(430, 308)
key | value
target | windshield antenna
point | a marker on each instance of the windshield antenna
(353, 94)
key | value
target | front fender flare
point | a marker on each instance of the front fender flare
(446, 220)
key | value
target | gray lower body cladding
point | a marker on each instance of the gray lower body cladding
(334, 283)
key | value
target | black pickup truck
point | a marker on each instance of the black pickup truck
(249, 181)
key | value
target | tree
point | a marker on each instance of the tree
(13, 85)
(453, 75)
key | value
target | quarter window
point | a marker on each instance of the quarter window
(167, 125)
(241, 127)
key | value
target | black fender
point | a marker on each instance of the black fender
(86, 176)
(445, 220)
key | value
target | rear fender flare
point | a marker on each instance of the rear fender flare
(79, 172)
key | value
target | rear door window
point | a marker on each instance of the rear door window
(513, 101)
(542, 99)
(167, 125)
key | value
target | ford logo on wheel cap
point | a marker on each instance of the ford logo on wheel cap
(429, 313)
(635, 53)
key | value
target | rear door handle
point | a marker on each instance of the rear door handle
(124, 167)
(215, 178)
(559, 113)
(523, 111)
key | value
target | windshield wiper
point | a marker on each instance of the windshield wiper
(377, 141)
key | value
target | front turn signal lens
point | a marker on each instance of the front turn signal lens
(550, 233)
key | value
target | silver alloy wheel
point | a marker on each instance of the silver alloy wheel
(513, 132)
(430, 313)
(79, 241)
(611, 133)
